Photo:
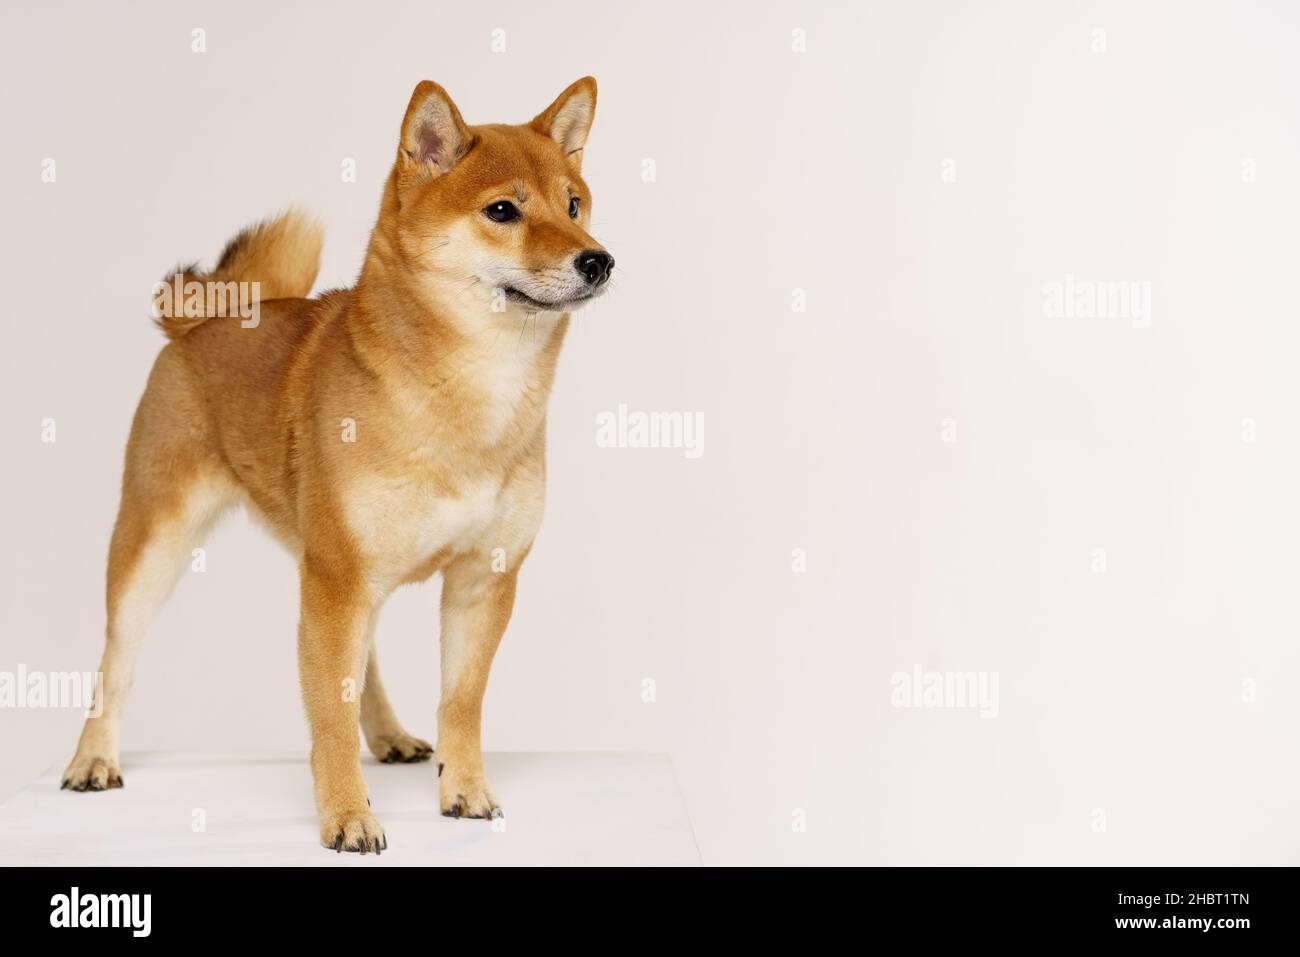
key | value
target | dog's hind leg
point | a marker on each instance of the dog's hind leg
(387, 740)
(172, 491)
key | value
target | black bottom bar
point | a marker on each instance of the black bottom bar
(1164, 906)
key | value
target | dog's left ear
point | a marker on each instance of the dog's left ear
(568, 119)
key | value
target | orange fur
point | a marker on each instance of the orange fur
(383, 433)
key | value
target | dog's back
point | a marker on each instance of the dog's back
(228, 390)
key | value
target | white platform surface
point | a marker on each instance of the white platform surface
(561, 809)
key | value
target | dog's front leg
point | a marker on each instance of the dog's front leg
(332, 648)
(476, 606)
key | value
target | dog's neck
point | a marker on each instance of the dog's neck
(451, 350)
(425, 325)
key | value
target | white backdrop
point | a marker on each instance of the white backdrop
(837, 226)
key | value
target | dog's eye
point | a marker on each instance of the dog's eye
(573, 208)
(501, 212)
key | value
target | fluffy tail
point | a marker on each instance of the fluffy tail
(274, 259)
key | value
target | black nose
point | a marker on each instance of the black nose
(594, 265)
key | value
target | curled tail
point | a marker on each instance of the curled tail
(275, 259)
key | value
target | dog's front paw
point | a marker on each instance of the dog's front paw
(92, 773)
(400, 746)
(466, 794)
(353, 831)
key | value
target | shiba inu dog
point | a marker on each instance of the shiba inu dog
(383, 433)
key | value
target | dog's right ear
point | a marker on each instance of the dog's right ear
(434, 137)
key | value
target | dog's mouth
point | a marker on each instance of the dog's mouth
(537, 305)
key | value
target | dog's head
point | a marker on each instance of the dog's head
(498, 215)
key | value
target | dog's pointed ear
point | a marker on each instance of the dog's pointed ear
(568, 119)
(434, 137)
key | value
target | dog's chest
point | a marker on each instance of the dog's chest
(402, 523)
(433, 503)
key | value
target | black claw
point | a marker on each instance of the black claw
(439, 769)
(392, 755)
(338, 844)
(64, 785)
